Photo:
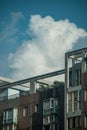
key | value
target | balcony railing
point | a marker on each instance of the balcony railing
(9, 121)
(50, 111)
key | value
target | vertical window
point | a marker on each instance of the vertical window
(86, 121)
(36, 108)
(76, 121)
(71, 121)
(70, 78)
(52, 103)
(84, 65)
(52, 127)
(75, 101)
(79, 121)
(8, 116)
(69, 102)
(8, 127)
(25, 111)
(78, 77)
(79, 99)
(85, 95)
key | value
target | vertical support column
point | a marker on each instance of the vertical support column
(83, 89)
(32, 86)
(73, 61)
(66, 86)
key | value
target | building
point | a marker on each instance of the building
(35, 109)
(76, 90)
(50, 106)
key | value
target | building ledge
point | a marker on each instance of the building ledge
(71, 89)
(73, 114)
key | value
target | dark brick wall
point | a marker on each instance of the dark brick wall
(34, 119)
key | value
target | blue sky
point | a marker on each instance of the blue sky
(17, 32)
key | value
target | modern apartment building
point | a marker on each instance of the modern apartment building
(76, 90)
(41, 109)
(49, 108)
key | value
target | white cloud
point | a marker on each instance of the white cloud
(45, 51)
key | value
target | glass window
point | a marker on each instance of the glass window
(76, 121)
(79, 121)
(52, 127)
(8, 116)
(71, 123)
(75, 101)
(79, 99)
(52, 103)
(75, 96)
(85, 95)
(70, 78)
(25, 111)
(86, 121)
(36, 108)
(10, 127)
(69, 102)
(78, 77)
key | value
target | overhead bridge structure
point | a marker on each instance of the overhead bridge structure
(31, 80)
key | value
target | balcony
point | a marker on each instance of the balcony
(10, 116)
(50, 111)
(8, 121)
(49, 120)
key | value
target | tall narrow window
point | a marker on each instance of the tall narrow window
(78, 77)
(85, 95)
(86, 121)
(69, 102)
(70, 79)
(52, 102)
(36, 108)
(75, 101)
(79, 99)
(79, 121)
(74, 122)
(8, 116)
(71, 122)
(25, 111)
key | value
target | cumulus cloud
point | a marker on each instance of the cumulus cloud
(44, 52)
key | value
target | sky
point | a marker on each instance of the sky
(35, 34)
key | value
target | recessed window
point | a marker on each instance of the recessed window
(85, 95)
(78, 77)
(36, 108)
(74, 101)
(52, 127)
(52, 102)
(8, 116)
(25, 111)
(74, 122)
(86, 121)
